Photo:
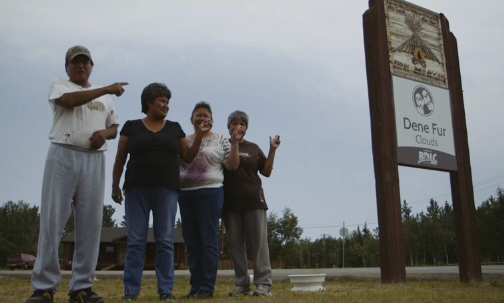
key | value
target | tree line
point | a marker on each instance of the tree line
(19, 228)
(429, 236)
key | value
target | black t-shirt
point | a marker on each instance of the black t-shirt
(243, 187)
(154, 157)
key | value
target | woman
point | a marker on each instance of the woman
(201, 200)
(244, 212)
(152, 183)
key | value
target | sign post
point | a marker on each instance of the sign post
(417, 120)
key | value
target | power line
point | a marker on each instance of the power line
(318, 226)
(352, 223)
(332, 226)
(427, 199)
(489, 186)
(489, 180)
(476, 185)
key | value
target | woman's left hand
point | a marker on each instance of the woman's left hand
(117, 195)
(238, 134)
(205, 126)
(275, 142)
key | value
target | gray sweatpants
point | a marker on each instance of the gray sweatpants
(70, 177)
(249, 227)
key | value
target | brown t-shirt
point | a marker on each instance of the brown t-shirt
(243, 187)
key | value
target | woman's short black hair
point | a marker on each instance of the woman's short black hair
(151, 92)
(201, 104)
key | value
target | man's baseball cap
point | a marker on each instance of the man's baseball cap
(74, 51)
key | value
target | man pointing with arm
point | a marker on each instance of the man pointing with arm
(74, 178)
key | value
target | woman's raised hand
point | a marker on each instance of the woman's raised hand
(205, 126)
(238, 134)
(275, 142)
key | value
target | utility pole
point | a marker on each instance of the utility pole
(343, 246)
(323, 254)
(343, 233)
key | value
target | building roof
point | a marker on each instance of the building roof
(115, 234)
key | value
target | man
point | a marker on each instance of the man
(74, 178)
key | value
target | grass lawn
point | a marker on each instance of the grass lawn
(18, 289)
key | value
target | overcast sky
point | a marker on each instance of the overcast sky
(296, 67)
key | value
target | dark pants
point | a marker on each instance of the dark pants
(139, 202)
(200, 210)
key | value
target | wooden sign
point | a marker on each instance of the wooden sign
(415, 41)
(420, 87)
(417, 119)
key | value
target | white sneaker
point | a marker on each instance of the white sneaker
(263, 291)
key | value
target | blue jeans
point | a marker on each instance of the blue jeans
(200, 210)
(138, 204)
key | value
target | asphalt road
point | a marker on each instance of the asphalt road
(493, 270)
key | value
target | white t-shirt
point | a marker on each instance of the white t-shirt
(74, 126)
(207, 169)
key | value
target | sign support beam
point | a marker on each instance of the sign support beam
(468, 249)
(383, 133)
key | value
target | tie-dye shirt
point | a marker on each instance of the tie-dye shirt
(207, 169)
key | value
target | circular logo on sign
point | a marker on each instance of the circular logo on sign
(423, 101)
